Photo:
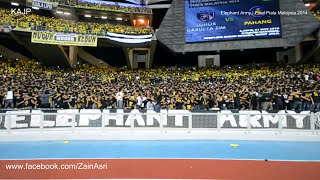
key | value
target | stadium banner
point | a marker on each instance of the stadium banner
(43, 4)
(64, 39)
(129, 40)
(24, 119)
(222, 20)
(148, 36)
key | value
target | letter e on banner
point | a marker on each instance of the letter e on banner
(35, 120)
(13, 117)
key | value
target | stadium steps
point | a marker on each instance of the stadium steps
(90, 58)
(314, 52)
(50, 55)
(153, 50)
(8, 42)
(11, 54)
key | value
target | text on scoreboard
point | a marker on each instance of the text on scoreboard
(220, 20)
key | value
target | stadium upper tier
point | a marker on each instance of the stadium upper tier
(250, 87)
(316, 14)
(104, 7)
(43, 23)
(115, 8)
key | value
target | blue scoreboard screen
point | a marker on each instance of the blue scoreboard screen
(221, 20)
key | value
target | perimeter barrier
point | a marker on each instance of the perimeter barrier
(118, 119)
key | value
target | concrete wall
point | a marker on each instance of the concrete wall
(202, 60)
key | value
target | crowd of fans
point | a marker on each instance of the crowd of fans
(103, 6)
(115, 8)
(316, 14)
(29, 85)
(36, 22)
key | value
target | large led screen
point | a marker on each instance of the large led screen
(221, 20)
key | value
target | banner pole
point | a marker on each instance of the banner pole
(312, 125)
(280, 124)
(73, 122)
(161, 122)
(103, 122)
(41, 122)
(189, 122)
(9, 123)
(218, 122)
(248, 123)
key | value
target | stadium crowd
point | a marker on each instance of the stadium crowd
(115, 8)
(102, 6)
(36, 22)
(316, 14)
(29, 85)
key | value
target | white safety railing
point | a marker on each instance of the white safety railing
(19, 121)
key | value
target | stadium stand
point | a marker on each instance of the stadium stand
(316, 14)
(104, 7)
(265, 87)
(43, 23)
(114, 8)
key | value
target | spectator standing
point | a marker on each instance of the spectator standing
(44, 98)
(307, 101)
(278, 103)
(119, 98)
(266, 101)
(316, 101)
(9, 99)
(297, 104)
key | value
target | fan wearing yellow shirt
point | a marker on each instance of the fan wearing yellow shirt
(189, 105)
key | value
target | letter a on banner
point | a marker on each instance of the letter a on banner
(135, 115)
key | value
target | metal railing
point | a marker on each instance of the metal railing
(95, 120)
